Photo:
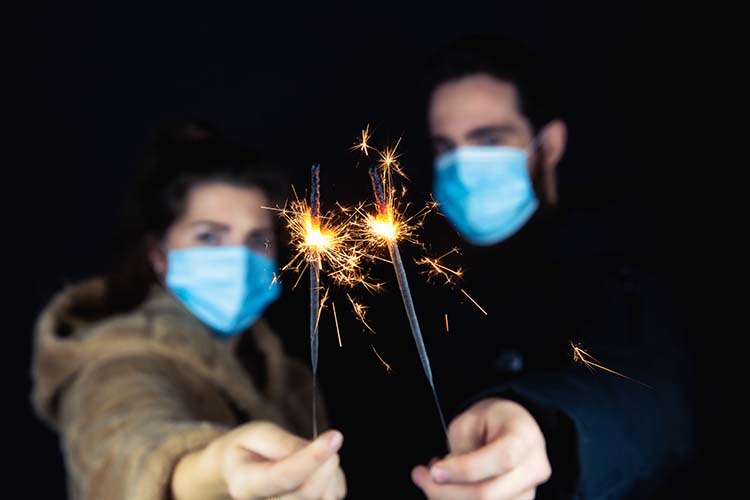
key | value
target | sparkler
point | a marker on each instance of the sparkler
(589, 361)
(319, 238)
(386, 229)
(315, 239)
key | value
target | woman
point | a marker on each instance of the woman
(162, 379)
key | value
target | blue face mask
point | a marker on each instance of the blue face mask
(485, 191)
(226, 287)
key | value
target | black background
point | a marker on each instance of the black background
(87, 82)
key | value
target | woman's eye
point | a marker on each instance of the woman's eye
(208, 238)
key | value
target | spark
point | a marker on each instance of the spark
(359, 311)
(387, 366)
(389, 160)
(362, 144)
(447, 329)
(474, 302)
(336, 321)
(327, 243)
(589, 361)
(436, 269)
(322, 306)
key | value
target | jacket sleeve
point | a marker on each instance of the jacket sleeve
(126, 420)
(607, 436)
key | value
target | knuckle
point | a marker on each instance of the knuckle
(464, 469)
(283, 482)
(237, 490)
(309, 494)
(485, 492)
(461, 434)
(506, 457)
(234, 491)
(321, 453)
(546, 470)
(260, 426)
(341, 489)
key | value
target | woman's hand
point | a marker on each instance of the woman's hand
(497, 452)
(260, 460)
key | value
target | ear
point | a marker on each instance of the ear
(157, 257)
(553, 140)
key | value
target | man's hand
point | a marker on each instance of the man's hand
(497, 452)
(260, 460)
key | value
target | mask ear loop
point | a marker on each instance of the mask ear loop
(535, 143)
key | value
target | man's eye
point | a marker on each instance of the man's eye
(490, 141)
(439, 149)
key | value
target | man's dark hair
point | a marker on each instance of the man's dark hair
(505, 59)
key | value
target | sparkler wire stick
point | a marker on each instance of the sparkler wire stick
(403, 286)
(314, 293)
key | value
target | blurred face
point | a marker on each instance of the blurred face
(477, 110)
(219, 214)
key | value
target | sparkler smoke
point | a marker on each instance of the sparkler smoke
(385, 217)
(314, 292)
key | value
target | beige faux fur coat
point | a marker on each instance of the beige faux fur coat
(130, 394)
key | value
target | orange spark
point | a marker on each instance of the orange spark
(328, 243)
(589, 361)
(474, 301)
(436, 269)
(336, 320)
(387, 366)
(359, 311)
(362, 143)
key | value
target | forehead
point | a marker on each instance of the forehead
(473, 101)
(226, 203)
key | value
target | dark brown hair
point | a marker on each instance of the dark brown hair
(181, 157)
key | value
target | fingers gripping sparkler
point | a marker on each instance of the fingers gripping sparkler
(383, 225)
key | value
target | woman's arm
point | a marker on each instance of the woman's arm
(125, 420)
(144, 426)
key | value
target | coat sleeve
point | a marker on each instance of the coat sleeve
(607, 436)
(297, 401)
(126, 420)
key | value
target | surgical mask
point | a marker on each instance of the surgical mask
(485, 191)
(226, 287)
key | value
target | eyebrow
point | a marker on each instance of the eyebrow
(478, 133)
(490, 129)
(214, 225)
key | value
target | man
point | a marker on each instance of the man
(533, 422)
